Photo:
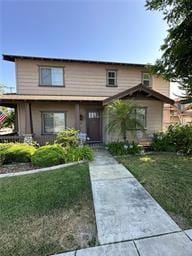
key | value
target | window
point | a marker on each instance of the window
(111, 78)
(141, 117)
(53, 122)
(50, 76)
(93, 115)
(146, 79)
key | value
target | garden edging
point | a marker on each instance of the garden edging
(42, 169)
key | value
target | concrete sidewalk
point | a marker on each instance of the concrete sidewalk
(129, 221)
(124, 209)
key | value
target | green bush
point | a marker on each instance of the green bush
(78, 153)
(178, 138)
(68, 138)
(2, 158)
(16, 152)
(48, 155)
(161, 142)
(120, 148)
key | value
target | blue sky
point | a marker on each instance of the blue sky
(118, 30)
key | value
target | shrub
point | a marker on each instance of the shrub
(16, 152)
(119, 148)
(48, 155)
(67, 138)
(78, 153)
(2, 158)
(178, 138)
(161, 142)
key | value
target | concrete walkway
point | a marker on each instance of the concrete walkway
(129, 221)
(124, 210)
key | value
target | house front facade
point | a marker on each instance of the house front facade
(54, 94)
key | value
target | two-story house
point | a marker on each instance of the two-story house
(53, 94)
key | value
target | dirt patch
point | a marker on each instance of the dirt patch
(181, 221)
(17, 167)
(62, 230)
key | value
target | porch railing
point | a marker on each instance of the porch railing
(44, 139)
(11, 138)
(41, 140)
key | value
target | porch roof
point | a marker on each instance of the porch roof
(20, 97)
(139, 89)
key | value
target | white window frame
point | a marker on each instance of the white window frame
(148, 80)
(51, 84)
(115, 78)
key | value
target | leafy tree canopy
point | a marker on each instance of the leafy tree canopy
(176, 61)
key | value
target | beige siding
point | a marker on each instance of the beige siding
(154, 120)
(81, 79)
(161, 85)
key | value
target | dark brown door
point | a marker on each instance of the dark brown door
(94, 125)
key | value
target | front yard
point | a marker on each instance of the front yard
(168, 178)
(46, 213)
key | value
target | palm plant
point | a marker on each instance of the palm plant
(123, 118)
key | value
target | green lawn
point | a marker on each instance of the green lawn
(45, 213)
(168, 178)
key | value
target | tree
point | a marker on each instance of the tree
(176, 60)
(122, 117)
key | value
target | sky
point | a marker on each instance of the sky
(117, 30)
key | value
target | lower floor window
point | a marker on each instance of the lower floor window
(53, 122)
(141, 117)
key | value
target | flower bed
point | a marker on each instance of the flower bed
(17, 167)
(65, 150)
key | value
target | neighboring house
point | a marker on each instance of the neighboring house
(180, 113)
(52, 94)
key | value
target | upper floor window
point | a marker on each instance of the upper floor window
(51, 76)
(146, 79)
(111, 78)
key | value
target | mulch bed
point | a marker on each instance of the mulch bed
(17, 167)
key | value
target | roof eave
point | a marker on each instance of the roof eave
(12, 58)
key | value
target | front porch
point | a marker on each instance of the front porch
(42, 119)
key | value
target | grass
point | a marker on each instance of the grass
(168, 178)
(45, 213)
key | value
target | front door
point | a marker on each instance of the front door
(94, 125)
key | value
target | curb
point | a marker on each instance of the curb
(13, 174)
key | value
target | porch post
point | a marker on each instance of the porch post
(16, 119)
(28, 123)
(77, 116)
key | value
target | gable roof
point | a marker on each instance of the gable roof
(14, 57)
(141, 89)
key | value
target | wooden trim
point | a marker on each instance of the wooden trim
(50, 85)
(139, 88)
